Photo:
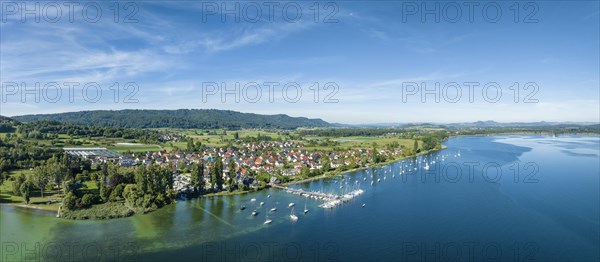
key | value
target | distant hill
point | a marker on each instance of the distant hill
(181, 118)
(490, 123)
(7, 124)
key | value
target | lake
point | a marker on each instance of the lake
(513, 198)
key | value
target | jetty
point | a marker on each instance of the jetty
(331, 200)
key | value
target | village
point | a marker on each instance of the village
(275, 159)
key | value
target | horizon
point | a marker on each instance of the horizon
(370, 62)
(338, 123)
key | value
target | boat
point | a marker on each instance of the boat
(252, 200)
(273, 209)
(364, 205)
(267, 220)
(291, 205)
(254, 212)
(268, 196)
(305, 209)
(262, 203)
(379, 180)
(293, 216)
(426, 167)
(242, 207)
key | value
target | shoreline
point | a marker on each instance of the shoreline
(328, 175)
(29, 207)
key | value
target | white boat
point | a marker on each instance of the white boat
(293, 216)
(254, 213)
(252, 200)
(262, 203)
(273, 209)
(268, 196)
(364, 205)
(267, 220)
(379, 180)
(426, 167)
(291, 205)
(305, 209)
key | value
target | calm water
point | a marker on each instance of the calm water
(485, 198)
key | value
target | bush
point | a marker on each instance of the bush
(87, 200)
(100, 211)
(70, 201)
(117, 193)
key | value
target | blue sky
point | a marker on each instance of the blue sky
(372, 51)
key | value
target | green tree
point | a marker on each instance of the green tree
(19, 180)
(41, 178)
(326, 163)
(140, 178)
(132, 195)
(26, 189)
(57, 170)
(217, 173)
(231, 167)
(117, 192)
(87, 200)
(198, 177)
(70, 201)
(416, 146)
(430, 142)
(191, 147)
(230, 184)
(104, 192)
(3, 177)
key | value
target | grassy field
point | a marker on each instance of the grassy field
(36, 200)
(357, 142)
(134, 148)
(209, 137)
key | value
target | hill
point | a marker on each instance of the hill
(181, 118)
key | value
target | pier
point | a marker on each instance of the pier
(331, 200)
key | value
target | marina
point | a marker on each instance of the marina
(331, 200)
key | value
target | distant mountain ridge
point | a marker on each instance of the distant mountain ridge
(488, 123)
(180, 118)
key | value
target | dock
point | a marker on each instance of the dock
(331, 200)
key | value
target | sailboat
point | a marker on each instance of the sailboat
(305, 209)
(267, 220)
(293, 216)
